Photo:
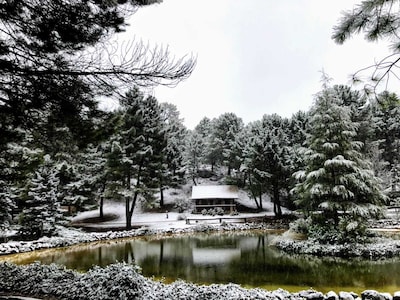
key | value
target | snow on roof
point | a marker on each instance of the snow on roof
(215, 192)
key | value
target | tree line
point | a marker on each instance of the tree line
(341, 155)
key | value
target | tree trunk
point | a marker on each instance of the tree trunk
(161, 196)
(261, 204)
(103, 188)
(101, 207)
(127, 214)
(277, 202)
(253, 193)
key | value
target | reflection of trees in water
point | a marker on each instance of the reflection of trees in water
(266, 265)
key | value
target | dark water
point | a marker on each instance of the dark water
(242, 258)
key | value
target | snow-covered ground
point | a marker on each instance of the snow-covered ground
(165, 220)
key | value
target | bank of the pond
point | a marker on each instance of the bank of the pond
(122, 281)
(378, 248)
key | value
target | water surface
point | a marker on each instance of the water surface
(243, 258)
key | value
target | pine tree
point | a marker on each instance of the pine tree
(337, 181)
(255, 161)
(267, 159)
(18, 160)
(194, 154)
(386, 120)
(175, 135)
(40, 214)
(135, 164)
(83, 177)
(296, 133)
(204, 136)
(224, 132)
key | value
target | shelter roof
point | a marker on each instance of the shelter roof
(215, 192)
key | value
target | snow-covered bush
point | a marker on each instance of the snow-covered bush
(219, 211)
(301, 225)
(348, 230)
(213, 211)
(181, 204)
(117, 281)
(181, 217)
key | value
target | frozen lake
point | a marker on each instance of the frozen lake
(243, 258)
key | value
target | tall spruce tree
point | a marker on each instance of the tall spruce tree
(337, 188)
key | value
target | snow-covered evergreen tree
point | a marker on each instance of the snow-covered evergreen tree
(194, 154)
(267, 159)
(337, 187)
(386, 120)
(223, 141)
(18, 160)
(175, 134)
(296, 133)
(82, 177)
(136, 163)
(360, 113)
(204, 136)
(255, 161)
(41, 211)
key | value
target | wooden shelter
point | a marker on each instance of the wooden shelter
(215, 196)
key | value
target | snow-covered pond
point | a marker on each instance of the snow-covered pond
(243, 258)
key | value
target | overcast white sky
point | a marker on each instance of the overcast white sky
(254, 57)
